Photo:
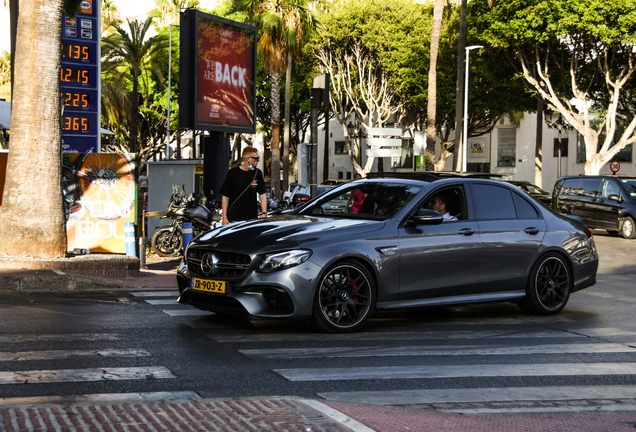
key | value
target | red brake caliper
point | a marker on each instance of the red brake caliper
(353, 288)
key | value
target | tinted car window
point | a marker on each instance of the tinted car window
(611, 188)
(589, 187)
(493, 202)
(381, 200)
(525, 210)
(630, 185)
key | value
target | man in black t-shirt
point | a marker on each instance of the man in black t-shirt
(240, 188)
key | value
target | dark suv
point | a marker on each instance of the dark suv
(605, 202)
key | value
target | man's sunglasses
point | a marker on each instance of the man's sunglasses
(257, 158)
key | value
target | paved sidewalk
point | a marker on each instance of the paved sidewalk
(287, 414)
(158, 273)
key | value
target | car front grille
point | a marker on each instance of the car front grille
(213, 303)
(228, 264)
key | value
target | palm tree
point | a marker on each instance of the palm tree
(280, 24)
(168, 11)
(297, 20)
(431, 111)
(32, 219)
(109, 15)
(132, 55)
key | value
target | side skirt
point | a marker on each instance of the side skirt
(454, 300)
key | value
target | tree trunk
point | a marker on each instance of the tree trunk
(276, 135)
(431, 111)
(134, 112)
(32, 221)
(459, 89)
(286, 135)
(538, 147)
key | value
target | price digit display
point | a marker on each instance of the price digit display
(77, 124)
(74, 75)
(76, 52)
(77, 100)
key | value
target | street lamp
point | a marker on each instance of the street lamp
(554, 120)
(465, 149)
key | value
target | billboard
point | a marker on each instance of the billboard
(218, 74)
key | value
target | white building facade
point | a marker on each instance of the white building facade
(508, 150)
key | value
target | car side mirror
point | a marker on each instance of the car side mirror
(427, 217)
(615, 197)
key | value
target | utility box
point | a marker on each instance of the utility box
(161, 176)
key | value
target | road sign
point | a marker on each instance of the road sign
(384, 142)
(615, 166)
(384, 152)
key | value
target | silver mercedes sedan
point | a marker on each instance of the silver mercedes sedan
(402, 241)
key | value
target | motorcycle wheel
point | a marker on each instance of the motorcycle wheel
(166, 244)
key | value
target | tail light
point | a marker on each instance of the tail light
(589, 235)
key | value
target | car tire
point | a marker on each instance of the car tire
(549, 286)
(628, 229)
(345, 298)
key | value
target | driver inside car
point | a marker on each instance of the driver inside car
(438, 203)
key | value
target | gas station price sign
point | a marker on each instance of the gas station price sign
(80, 79)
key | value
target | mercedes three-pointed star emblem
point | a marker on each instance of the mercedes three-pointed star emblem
(208, 264)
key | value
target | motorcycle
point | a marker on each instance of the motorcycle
(167, 241)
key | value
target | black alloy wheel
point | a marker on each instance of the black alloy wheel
(549, 286)
(345, 298)
(166, 243)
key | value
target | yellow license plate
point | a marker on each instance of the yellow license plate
(208, 285)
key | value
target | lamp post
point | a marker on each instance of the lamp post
(169, 89)
(554, 120)
(465, 138)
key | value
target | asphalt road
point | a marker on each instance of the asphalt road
(470, 359)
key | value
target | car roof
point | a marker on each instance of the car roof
(430, 176)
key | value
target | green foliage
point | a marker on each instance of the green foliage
(71, 7)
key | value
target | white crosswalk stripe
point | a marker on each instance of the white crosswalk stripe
(438, 351)
(24, 375)
(451, 371)
(66, 354)
(158, 298)
(506, 332)
(80, 375)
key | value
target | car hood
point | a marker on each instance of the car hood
(285, 231)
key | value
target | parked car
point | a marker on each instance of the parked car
(534, 190)
(605, 202)
(394, 253)
(302, 194)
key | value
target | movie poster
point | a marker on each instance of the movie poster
(99, 196)
(225, 81)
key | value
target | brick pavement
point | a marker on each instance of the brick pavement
(273, 414)
(288, 414)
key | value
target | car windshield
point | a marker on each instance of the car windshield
(630, 185)
(368, 200)
(534, 189)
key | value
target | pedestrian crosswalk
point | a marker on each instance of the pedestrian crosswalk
(529, 352)
(471, 364)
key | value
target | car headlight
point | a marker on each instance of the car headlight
(283, 260)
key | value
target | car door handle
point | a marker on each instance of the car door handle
(466, 231)
(532, 230)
